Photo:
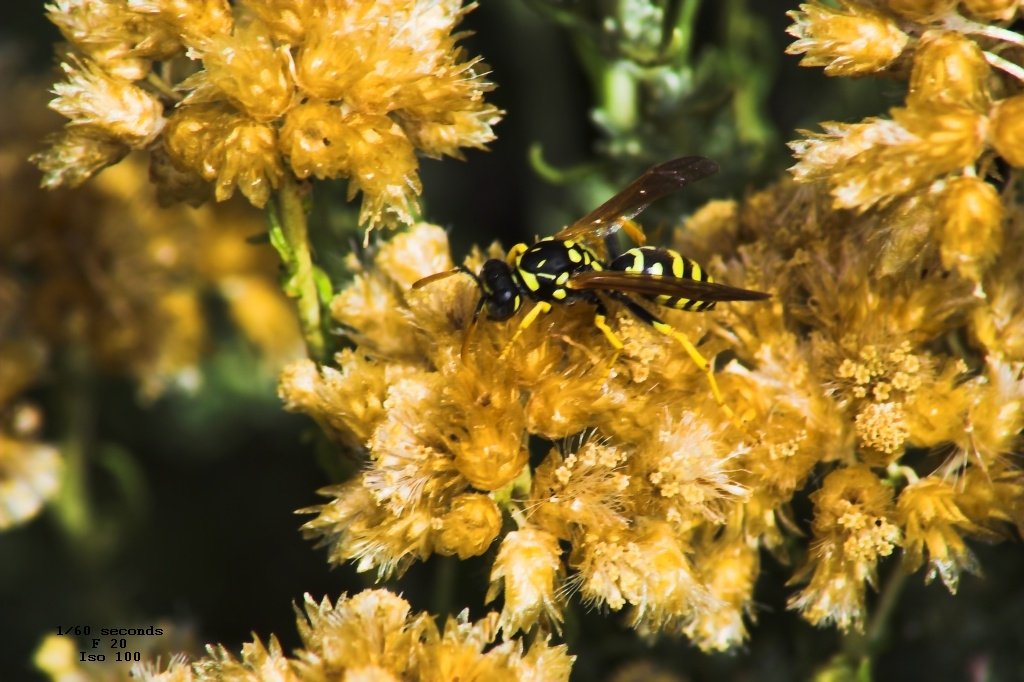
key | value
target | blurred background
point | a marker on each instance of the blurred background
(189, 472)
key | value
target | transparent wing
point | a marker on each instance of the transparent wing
(617, 212)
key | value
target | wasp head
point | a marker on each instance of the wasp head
(499, 290)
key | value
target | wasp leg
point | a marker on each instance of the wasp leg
(634, 232)
(600, 321)
(691, 350)
(542, 308)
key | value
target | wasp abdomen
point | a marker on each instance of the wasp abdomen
(651, 260)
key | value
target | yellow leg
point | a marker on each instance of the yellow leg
(600, 323)
(615, 342)
(705, 367)
(542, 307)
(634, 232)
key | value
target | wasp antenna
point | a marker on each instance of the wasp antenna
(429, 279)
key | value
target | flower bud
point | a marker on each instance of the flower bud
(227, 148)
(469, 527)
(991, 10)
(972, 234)
(1007, 131)
(848, 41)
(527, 571)
(249, 70)
(76, 155)
(494, 464)
(949, 69)
(112, 105)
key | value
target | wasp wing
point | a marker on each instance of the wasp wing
(656, 182)
(660, 285)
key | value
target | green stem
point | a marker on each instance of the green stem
(72, 507)
(289, 234)
(554, 175)
(618, 95)
(684, 29)
(860, 648)
(446, 577)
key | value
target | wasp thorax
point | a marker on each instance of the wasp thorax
(499, 290)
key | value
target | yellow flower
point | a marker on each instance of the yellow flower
(949, 69)
(287, 86)
(729, 567)
(443, 425)
(375, 636)
(690, 471)
(972, 233)
(995, 416)
(288, 20)
(109, 105)
(112, 34)
(470, 526)
(1007, 133)
(997, 323)
(993, 500)
(872, 162)
(131, 292)
(852, 530)
(649, 569)
(648, 497)
(366, 307)
(374, 627)
(245, 68)
(584, 491)
(992, 10)
(190, 21)
(226, 148)
(527, 572)
(933, 526)
(850, 40)
(75, 156)
(347, 403)
(357, 528)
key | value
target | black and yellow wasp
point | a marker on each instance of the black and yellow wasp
(569, 267)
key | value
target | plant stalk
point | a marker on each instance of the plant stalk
(289, 233)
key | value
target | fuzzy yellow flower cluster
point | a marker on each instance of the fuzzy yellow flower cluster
(936, 154)
(916, 434)
(374, 635)
(117, 275)
(109, 270)
(617, 478)
(624, 504)
(243, 94)
(105, 280)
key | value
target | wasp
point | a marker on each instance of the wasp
(572, 266)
